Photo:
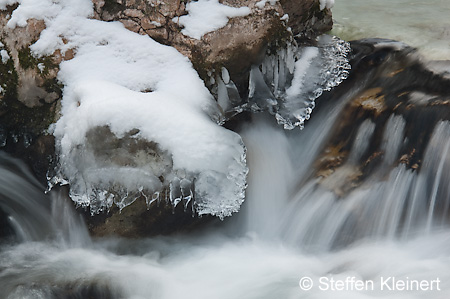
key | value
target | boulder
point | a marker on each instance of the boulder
(391, 88)
(30, 97)
(29, 94)
(236, 46)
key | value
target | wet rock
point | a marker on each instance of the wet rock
(139, 219)
(389, 85)
(6, 231)
(29, 94)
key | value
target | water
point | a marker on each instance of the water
(292, 226)
(423, 24)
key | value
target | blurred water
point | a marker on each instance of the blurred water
(292, 226)
(424, 24)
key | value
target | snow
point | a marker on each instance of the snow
(107, 83)
(4, 3)
(206, 16)
(262, 3)
(41, 67)
(4, 55)
(326, 4)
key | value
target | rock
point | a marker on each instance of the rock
(36, 77)
(306, 19)
(31, 94)
(139, 220)
(238, 45)
(389, 85)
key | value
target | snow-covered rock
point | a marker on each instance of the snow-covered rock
(135, 118)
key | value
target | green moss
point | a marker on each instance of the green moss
(14, 115)
(19, 119)
(53, 85)
(28, 61)
(8, 80)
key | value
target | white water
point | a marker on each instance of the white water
(424, 24)
(291, 226)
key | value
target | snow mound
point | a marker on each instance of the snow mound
(207, 16)
(136, 119)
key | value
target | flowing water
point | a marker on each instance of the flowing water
(419, 23)
(297, 236)
(291, 227)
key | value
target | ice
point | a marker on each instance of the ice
(135, 116)
(259, 93)
(288, 82)
(206, 16)
(301, 68)
(225, 76)
(222, 95)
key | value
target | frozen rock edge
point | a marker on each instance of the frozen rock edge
(288, 81)
(108, 170)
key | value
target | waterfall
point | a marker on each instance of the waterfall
(372, 206)
(22, 199)
(33, 215)
(292, 225)
(284, 200)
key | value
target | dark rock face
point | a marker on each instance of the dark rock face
(5, 228)
(139, 220)
(306, 19)
(388, 79)
(30, 94)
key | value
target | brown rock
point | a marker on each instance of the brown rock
(236, 46)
